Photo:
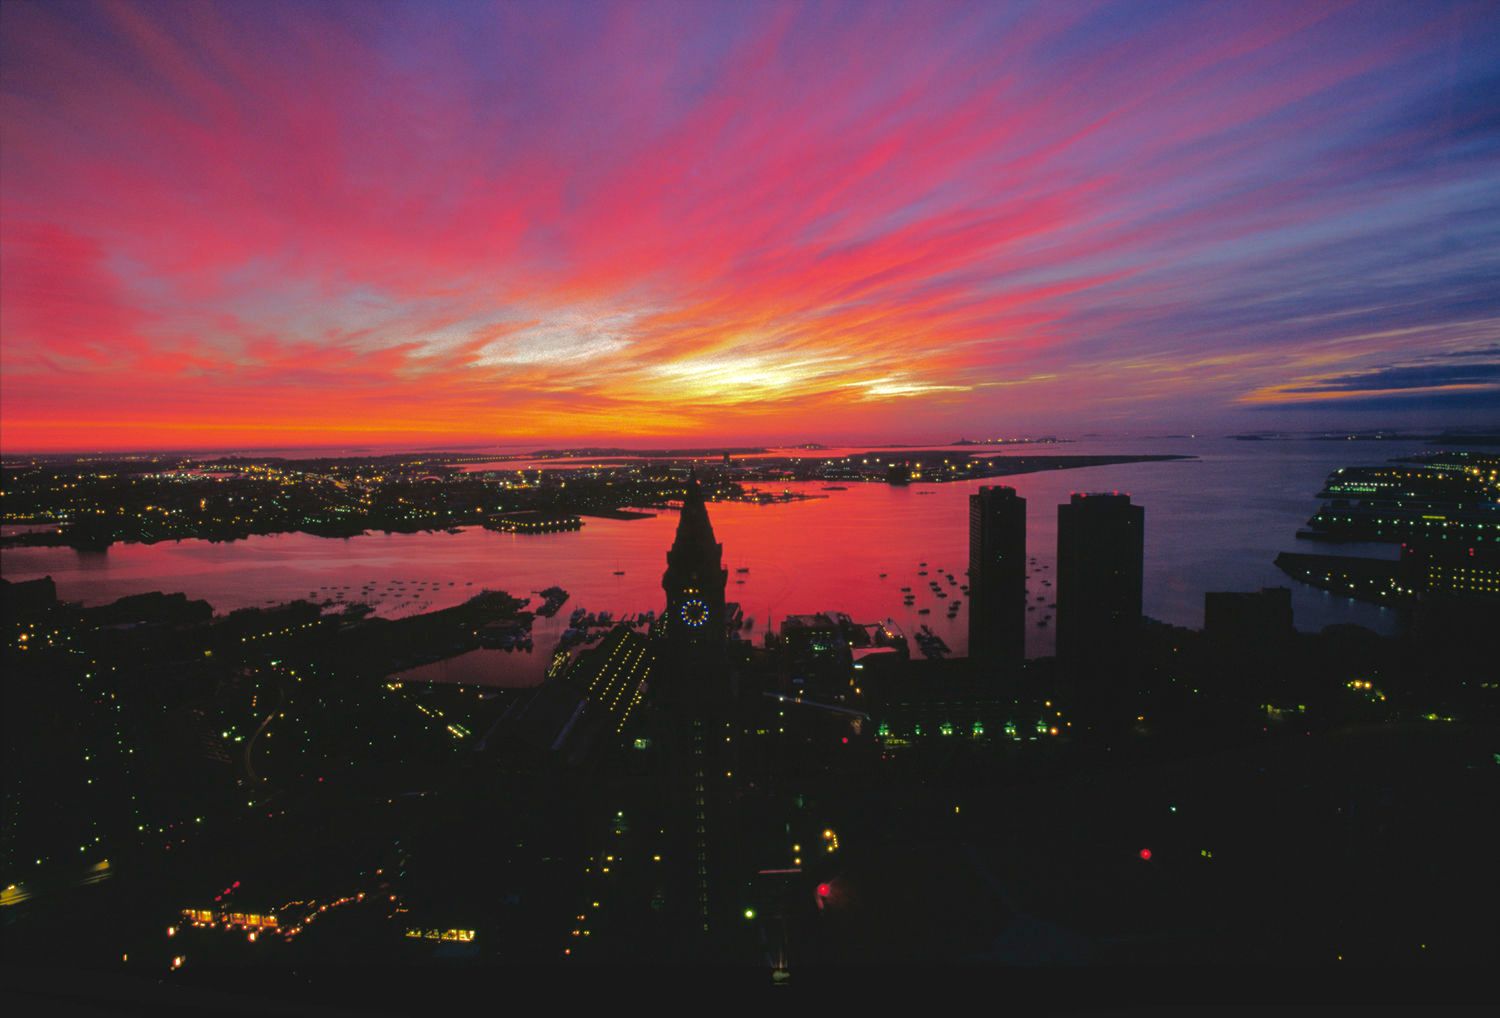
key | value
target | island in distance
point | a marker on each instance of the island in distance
(93, 503)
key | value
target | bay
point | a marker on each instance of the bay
(1212, 523)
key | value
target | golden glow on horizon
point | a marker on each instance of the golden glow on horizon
(222, 233)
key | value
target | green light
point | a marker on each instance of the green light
(749, 913)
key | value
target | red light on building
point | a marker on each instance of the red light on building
(1146, 855)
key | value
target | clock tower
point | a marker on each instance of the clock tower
(693, 626)
(699, 729)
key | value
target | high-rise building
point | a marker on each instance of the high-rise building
(1100, 563)
(997, 576)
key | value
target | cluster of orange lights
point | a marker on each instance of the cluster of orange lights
(256, 923)
(460, 936)
(230, 920)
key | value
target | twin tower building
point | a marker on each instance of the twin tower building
(1100, 558)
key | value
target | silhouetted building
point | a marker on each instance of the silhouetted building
(997, 576)
(1248, 619)
(1247, 638)
(817, 653)
(28, 596)
(1457, 589)
(696, 710)
(1100, 563)
(692, 628)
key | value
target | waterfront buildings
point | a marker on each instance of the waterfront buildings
(531, 521)
(1439, 569)
(1100, 564)
(1442, 508)
(997, 577)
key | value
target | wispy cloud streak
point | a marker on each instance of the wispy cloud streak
(277, 222)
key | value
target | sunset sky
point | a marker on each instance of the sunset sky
(263, 224)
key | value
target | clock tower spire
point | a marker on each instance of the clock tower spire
(693, 626)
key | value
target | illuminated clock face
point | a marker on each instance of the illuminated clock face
(694, 612)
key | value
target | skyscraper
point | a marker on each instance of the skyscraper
(1100, 559)
(997, 576)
